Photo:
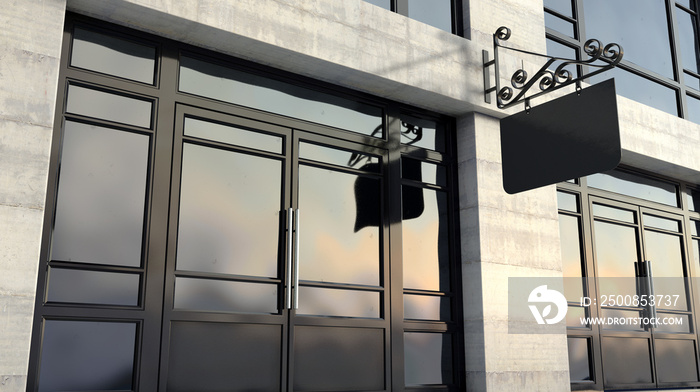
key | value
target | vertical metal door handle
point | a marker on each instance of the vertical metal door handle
(296, 262)
(650, 278)
(290, 233)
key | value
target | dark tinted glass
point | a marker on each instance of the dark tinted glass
(665, 251)
(229, 212)
(113, 56)
(579, 359)
(339, 220)
(107, 106)
(338, 157)
(427, 358)
(425, 240)
(101, 196)
(570, 235)
(635, 186)
(558, 24)
(693, 113)
(232, 135)
(225, 296)
(422, 133)
(687, 32)
(567, 201)
(561, 6)
(214, 352)
(230, 85)
(426, 307)
(338, 359)
(639, 26)
(626, 361)
(437, 13)
(641, 89)
(427, 172)
(386, 4)
(82, 356)
(341, 303)
(93, 287)
(675, 360)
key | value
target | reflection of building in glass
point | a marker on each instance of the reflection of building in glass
(279, 195)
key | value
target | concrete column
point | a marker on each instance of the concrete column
(504, 236)
(30, 45)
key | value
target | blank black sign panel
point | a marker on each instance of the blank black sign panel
(572, 136)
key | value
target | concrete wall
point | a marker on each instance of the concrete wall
(356, 45)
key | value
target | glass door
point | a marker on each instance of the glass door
(642, 274)
(275, 271)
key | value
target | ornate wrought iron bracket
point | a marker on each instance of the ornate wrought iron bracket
(546, 79)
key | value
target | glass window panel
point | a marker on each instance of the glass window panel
(558, 24)
(101, 196)
(224, 357)
(561, 6)
(675, 360)
(340, 236)
(640, 89)
(229, 212)
(616, 251)
(694, 227)
(680, 323)
(426, 307)
(639, 26)
(665, 252)
(693, 112)
(693, 199)
(111, 107)
(427, 358)
(423, 171)
(113, 56)
(567, 201)
(692, 81)
(237, 87)
(662, 223)
(613, 213)
(574, 315)
(626, 360)
(422, 133)
(630, 317)
(425, 240)
(82, 355)
(386, 4)
(570, 235)
(232, 135)
(635, 186)
(225, 296)
(93, 287)
(685, 3)
(696, 252)
(687, 31)
(338, 157)
(556, 49)
(342, 303)
(579, 359)
(437, 13)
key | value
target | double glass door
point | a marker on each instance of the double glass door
(640, 254)
(275, 270)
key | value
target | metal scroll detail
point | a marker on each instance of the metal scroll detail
(545, 80)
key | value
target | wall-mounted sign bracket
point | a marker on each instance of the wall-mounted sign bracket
(546, 79)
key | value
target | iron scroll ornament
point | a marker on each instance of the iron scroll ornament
(546, 80)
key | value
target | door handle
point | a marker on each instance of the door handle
(290, 234)
(296, 261)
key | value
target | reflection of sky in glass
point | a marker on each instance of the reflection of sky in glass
(558, 24)
(101, 196)
(661, 223)
(639, 26)
(432, 135)
(426, 307)
(666, 256)
(640, 89)
(613, 213)
(567, 201)
(688, 38)
(693, 112)
(616, 253)
(341, 303)
(561, 6)
(229, 212)
(437, 13)
(386, 4)
(635, 186)
(574, 315)
(571, 255)
(329, 248)
(232, 135)
(229, 85)
(425, 255)
(608, 312)
(113, 56)
(111, 107)
(225, 296)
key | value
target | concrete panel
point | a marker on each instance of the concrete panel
(20, 239)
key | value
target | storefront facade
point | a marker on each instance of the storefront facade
(307, 196)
